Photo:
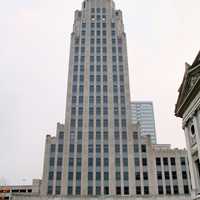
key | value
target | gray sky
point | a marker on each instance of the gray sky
(34, 51)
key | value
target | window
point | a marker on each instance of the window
(146, 190)
(158, 161)
(90, 162)
(167, 177)
(106, 190)
(98, 148)
(165, 161)
(136, 148)
(61, 135)
(137, 162)
(160, 190)
(183, 161)
(71, 148)
(144, 161)
(106, 176)
(78, 176)
(50, 190)
(176, 190)
(106, 162)
(118, 190)
(70, 190)
(51, 175)
(98, 162)
(168, 189)
(78, 162)
(186, 189)
(98, 190)
(58, 176)
(135, 135)
(117, 148)
(145, 176)
(184, 174)
(53, 148)
(78, 190)
(126, 176)
(138, 190)
(51, 161)
(159, 175)
(125, 162)
(126, 190)
(90, 190)
(174, 175)
(143, 147)
(118, 176)
(59, 162)
(90, 176)
(79, 148)
(70, 176)
(71, 162)
(137, 176)
(98, 176)
(117, 162)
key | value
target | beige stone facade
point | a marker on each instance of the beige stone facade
(188, 108)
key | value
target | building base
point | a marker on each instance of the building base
(164, 197)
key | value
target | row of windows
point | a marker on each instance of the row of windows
(60, 146)
(175, 189)
(174, 175)
(98, 33)
(58, 175)
(172, 161)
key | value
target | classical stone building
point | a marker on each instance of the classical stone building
(188, 108)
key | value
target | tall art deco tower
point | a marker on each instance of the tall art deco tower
(96, 157)
(97, 118)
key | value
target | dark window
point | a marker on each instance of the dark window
(70, 176)
(78, 176)
(126, 176)
(146, 190)
(159, 175)
(137, 176)
(168, 189)
(58, 175)
(183, 161)
(118, 190)
(51, 161)
(136, 148)
(70, 190)
(118, 176)
(173, 161)
(137, 162)
(53, 148)
(165, 161)
(61, 135)
(78, 190)
(90, 176)
(138, 190)
(176, 190)
(144, 162)
(174, 175)
(186, 189)
(106, 190)
(143, 147)
(106, 176)
(126, 190)
(145, 176)
(50, 190)
(59, 162)
(98, 190)
(58, 190)
(51, 174)
(117, 162)
(106, 162)
(158, 161)
(160, 190)
(167, 177)
(90, 190)
(184, 174)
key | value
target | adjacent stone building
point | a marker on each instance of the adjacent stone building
(188, 108)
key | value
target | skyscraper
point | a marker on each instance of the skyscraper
(99, 151)
(142, 113)
(98, 103)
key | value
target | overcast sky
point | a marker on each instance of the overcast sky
(34, 51)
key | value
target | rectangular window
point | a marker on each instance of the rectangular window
(138, 190)
(118, 190)
(143, 148)
(51, 175)
(78, 190)
(173, 161)
(167, 177)
(144, 161)
(158, 161)
(58, 176)
(165, 161)
(146, 190)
